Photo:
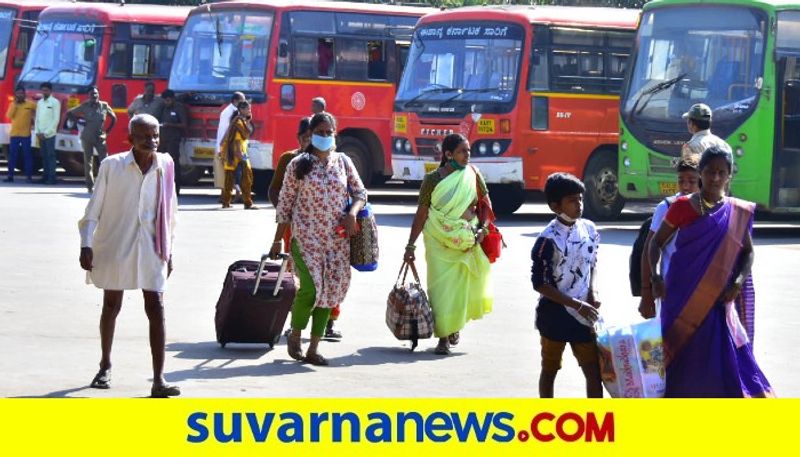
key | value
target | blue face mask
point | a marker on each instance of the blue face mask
(323, 143)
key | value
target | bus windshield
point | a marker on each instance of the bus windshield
(451, 67)
(64, 52)
(698, 54)
(6, 25)
(222, 51)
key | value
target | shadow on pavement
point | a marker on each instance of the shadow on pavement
(378, 355)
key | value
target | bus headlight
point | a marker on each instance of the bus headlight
(627, 162)
(496, 148)
(407, 147)
(482, 149)
(624, 146)
(398, 145)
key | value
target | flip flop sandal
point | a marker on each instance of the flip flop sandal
(454, 338)
(102, 380)
(442, 350)
(316, 359)
(164, 391)
(293, 345)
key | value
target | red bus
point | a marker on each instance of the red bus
(17, 27)
(534, 89)
(112, 46)
(282, 54)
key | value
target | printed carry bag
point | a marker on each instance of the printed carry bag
(408, 312)
(632, 359)
(364, 244)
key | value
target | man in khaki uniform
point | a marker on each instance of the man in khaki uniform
(93, 112)
(698, 122)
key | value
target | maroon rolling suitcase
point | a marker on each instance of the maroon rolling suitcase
(255, 300)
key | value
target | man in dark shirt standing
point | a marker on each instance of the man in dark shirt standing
(174, 121)
(94, 112)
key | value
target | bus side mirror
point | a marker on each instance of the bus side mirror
(283, 49)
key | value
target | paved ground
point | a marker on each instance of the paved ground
(49, 336)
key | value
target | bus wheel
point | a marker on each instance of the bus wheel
(261, 180)
(191, 174)
(71, 162)
(603, 200)
(359, 154)
(506, 198)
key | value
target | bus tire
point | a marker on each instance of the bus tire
(359, 154)
(71, 162)
(261, 180)
(602, 201)
(506, 198)
(191, 174)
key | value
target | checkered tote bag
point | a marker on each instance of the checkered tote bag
(408, 313)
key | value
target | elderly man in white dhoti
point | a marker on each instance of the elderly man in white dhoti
(126, 241)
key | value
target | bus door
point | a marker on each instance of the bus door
(786, 161)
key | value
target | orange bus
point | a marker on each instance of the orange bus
(17, 26)
(534, 89)
(115, 47)
(281, 54)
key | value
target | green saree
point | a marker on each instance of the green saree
(459, 284)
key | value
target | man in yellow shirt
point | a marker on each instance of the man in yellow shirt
(21, 114)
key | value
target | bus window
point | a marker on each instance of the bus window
(27, 30)
(6, 25)
(376, 66)
(118, 61)
(312, 22)
(141, 60)
(325, 56)
(351, 62)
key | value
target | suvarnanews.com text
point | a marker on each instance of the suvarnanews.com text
(398, 427)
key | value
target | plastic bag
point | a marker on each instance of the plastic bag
(632, 359)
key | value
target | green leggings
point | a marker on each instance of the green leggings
(303, 306)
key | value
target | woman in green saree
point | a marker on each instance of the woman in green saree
(459, 285)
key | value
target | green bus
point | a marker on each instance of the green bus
(742, 58)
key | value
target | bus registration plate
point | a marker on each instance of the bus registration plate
(668, 188)
(430, 166)
(486, 127)
(203, 152)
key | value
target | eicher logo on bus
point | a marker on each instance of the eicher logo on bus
(435, 132)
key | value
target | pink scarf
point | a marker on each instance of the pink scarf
(166, 180)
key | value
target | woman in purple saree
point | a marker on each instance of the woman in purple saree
(708, 351)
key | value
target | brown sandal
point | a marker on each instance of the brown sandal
(294, 346)
(454, 338)
(443, 348)
(316, 359)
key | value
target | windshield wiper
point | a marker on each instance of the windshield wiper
(219, 35)
(469, 91)
(660, 87)
(435, 90)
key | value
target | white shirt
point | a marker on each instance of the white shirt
(669, 248)
(120, 225)
(48, 114)
(224, 122)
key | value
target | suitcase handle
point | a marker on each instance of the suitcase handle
(284, 266)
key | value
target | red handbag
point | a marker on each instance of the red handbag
(493, 242)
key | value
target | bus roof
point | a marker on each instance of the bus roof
(317, 5)
(27, 4)
(763, 4)
(576, 16)
(115, 12)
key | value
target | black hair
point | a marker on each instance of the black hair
(701, 124)
(451, 143)
(239, 107)
(46, 85)
(150, 83)
(237, 95)
(716, 152)
(304, 164)
(92, 88)
(687, 164)
(169, 93)
(303, 126)
(19, 88)
(560, 185)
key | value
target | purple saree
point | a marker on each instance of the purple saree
(708, 349)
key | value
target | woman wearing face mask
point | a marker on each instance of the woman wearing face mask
(234, 154)
(459, 285)
(316, 190)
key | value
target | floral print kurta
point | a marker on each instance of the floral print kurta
(315, 206)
